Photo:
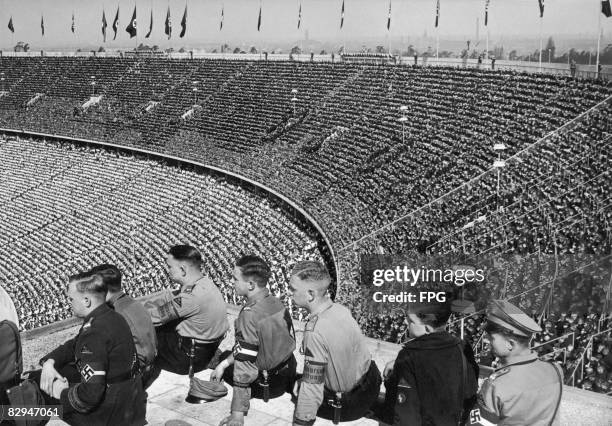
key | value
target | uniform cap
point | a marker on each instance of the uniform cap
(506, 315)
(201, 391)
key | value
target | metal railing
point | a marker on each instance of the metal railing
(579, 368)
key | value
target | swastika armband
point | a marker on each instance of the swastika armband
(481, 417)
(244, 351)
(91, 372)
(314, 372)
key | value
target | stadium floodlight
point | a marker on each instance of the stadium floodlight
(499, 147)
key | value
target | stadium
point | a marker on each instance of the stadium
(359, 161)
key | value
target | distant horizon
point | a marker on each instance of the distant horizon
(517, 42)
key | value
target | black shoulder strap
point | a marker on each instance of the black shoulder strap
(560, 392)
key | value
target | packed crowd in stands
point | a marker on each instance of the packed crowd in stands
(341, 150)
(328, 136)
(66, 208)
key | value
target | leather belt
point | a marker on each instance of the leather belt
(197, 343)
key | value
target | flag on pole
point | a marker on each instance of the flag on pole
(42, 25)
(168, 28)
(541, 3)
(116, 23)
(606, 9)
(104, 25)
(150, 25)
(222, 17)
(342, 15)
(300, 16)
(131, 28)
(184, 23)
(72, 27)
(259, 19)
(389, 17)
(10, 25)
(487, 12)
(437, 13)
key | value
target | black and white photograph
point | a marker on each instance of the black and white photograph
(306, 212)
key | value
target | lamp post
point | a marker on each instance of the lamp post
(93, 85)
(403, 119)
(499, 164)
(294, 99)
(549, 56)
(195, 91)
(2, 80)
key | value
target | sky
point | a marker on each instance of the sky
(364, 19)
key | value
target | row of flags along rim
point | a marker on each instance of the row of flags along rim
(131, 29)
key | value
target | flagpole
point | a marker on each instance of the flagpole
(389, 31)
(487, 47)
(437, 43)
(598, 42)
(301, 45)
(136, 46)
(540, 56)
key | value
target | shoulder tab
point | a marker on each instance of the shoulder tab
(188, 289)
(499, 373)
(310, 325)
(87, 324)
